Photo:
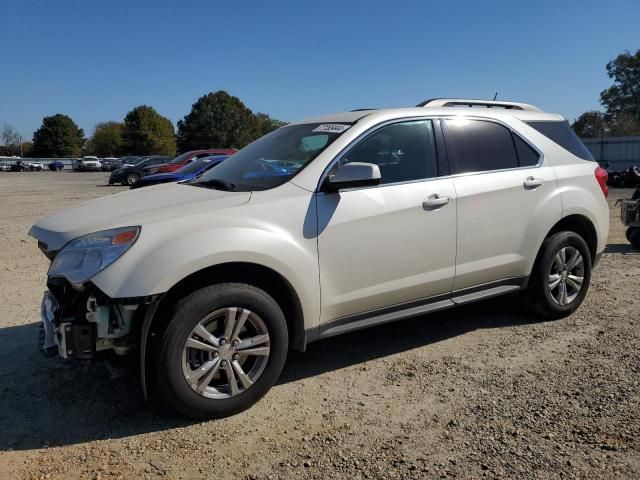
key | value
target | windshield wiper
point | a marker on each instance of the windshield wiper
(217, 183)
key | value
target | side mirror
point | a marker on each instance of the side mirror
(352, 175)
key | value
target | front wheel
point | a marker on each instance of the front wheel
(223, 349)
(561, 276)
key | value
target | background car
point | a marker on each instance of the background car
(5, 167)
(88, 164)
(20, 166)
(36, 166)
(110, 164)
(56, 165)
(187, 172)
(130, 174)
(187, 157)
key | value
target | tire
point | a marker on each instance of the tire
(634, 237)
(547, 301)
(132, 178)
(630, 231)
(180, 383)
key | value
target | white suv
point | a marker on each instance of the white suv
(322, 227)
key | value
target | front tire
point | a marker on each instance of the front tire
(561, 276)
(223, 349)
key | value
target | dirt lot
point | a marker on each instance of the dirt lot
(483, 391)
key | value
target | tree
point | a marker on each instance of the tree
(590, 125)
(9, 136)
(217, 120)
(267, 124)
(107, 139)
(147, 132)
(624, 95)
(58, 136)
(624, 124)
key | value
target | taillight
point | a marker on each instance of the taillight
(602, 176)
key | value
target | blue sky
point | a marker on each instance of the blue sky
(95, 60)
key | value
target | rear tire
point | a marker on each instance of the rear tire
(203, 380)
(633, 235)
(557, 286)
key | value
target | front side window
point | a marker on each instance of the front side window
(478, 146)
(273, 159)
(404, 151)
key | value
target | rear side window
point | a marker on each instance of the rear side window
(527, 156)
(561, 133)
(478, 146)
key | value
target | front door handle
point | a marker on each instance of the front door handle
(532, 182)
(435, 201)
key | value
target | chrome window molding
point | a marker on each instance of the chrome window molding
(363, 135)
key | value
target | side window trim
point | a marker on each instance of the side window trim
(513, 132)
(356, 141)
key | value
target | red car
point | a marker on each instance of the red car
(187, 157)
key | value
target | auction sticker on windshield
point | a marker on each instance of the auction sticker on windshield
(331, 128)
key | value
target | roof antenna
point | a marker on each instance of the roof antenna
(495, 96)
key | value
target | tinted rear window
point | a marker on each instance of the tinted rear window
(479, 146)
(561, 133)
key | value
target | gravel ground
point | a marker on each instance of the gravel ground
(482, 391)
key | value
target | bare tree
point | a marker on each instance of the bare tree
(9, 135)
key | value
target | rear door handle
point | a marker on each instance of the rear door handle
(435, 201)
(532, 182)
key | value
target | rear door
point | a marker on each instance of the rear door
(505, 201)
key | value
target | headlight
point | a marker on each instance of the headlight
(85, 256)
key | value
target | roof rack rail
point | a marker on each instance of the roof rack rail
(466, 102)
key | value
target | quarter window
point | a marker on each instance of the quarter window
(527, 156)
(478, 146)
(404, 151)
(562, 134)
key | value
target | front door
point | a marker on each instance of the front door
(393, 243)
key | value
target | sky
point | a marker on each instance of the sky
(96, 60)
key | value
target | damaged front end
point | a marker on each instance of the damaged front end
(78, 319)
(85, 323)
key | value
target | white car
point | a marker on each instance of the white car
(88, 164)
(324, 226)
(36, 166)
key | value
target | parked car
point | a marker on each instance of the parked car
(87, 164)
(20, 166)
(110, 164)
(187, 172)
(56, 165)
(4, 167)
(36, 166)
(130, 174)
(187, 157)
(208, 283)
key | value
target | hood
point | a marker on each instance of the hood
(134, 207)
(163, 177)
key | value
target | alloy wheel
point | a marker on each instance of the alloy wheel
(225, 353)
(566, 276)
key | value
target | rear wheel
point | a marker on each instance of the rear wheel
(561, 276)
(132, 178)
(222, 350)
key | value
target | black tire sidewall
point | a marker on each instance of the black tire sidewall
(544, 302)
(173, 387)
(634, 237)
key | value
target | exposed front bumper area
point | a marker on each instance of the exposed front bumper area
(84, 323)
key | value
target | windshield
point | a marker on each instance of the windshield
(273, 159)
(201, 164)
(181, 158)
